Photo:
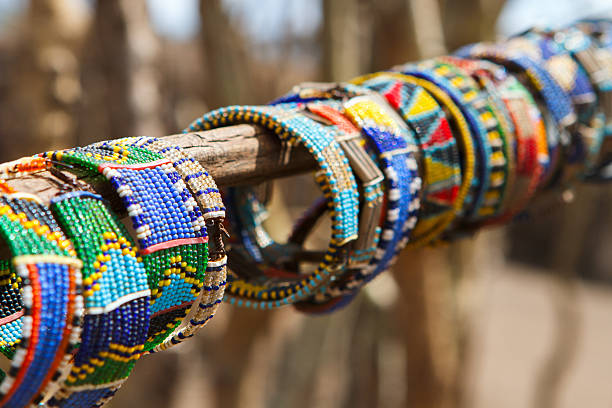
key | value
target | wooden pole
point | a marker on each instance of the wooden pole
(233, 155)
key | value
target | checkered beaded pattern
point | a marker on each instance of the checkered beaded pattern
(482, 125)
(46, 263)
(335, 178)
(116, 299)
(442, 171)
(169, 226)
(207, 195)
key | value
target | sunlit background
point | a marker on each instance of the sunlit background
(515, 317)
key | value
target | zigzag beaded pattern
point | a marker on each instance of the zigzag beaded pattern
(469, 102)
(207, 195)
(498, 162)
(116, 299)
(336, 178)
(442, 172)
(168, 223)
(50, 326)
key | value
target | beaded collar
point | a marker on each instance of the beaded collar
(167, 221)
(42, 299)
(336, 180)
(116, 300)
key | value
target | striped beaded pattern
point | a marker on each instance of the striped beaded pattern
(50, 326)
(116, 299)
(169, 226)
(338, 185)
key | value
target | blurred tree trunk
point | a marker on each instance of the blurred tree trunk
(120, 76)
(43, 79)
(226, 58)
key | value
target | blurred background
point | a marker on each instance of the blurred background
(514, 317)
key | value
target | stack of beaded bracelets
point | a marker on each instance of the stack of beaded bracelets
(337, 183)
(168, 223)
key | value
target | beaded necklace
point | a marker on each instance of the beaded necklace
(336, 180)
(43, 299)
(207, 195)
(167, 221)
(116, 300)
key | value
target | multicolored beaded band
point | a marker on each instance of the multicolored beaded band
(369, 176)
(338, 184)
(116, 297)
(574, 80)
(171, 231)
(461, 89)
(557, 101)
(600, 34)
(441, 166)
(532, 157)
(396, 149)
(490, 78)
(208, 197)
(378, 122)
(463, 137)
(43, 334)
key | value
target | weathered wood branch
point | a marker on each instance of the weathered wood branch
(242, 154)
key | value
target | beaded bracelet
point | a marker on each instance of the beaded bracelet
(532, 157)
(42, 298)
(206, 194)
(170, 229)
(396, 149)
(116, 298)
(600, 33)
(574, 80)
(555, 99)
(598, 67)
(336, 180)
(378, 122)
(442, 171)
(463, 137)
(490, 78)
(460, 88)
